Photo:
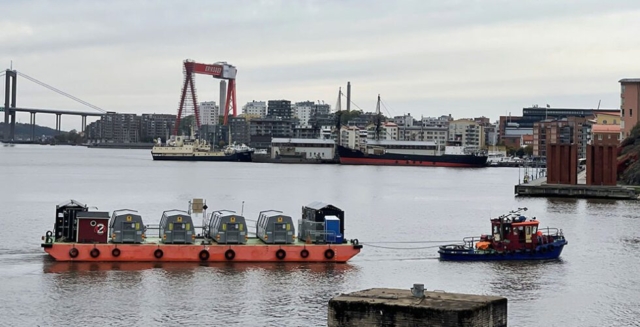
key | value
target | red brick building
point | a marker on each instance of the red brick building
(606, 134)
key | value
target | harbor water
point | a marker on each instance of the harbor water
(595, 283)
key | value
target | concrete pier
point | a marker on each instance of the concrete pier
(540, 188)
(415, 307)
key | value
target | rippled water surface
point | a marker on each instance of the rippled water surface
(595, 283)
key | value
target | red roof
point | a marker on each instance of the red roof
(599, 128)
(607, 113)
(527, 138)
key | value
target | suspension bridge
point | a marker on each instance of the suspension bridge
(10, 107)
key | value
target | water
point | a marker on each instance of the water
(594, 284)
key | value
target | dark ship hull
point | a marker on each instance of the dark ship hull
(239, 156)
(355, 157)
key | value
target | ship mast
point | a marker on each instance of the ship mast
(378, 120)
(338, 121)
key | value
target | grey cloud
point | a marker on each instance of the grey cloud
(424, 56)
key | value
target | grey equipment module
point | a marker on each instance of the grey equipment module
(176, 227)
(226, 227)
(126, 227)
(275, 228)
(321, 223)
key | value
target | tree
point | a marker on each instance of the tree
(520, 152)
(71, 137)
(185, 125)
(346, 116)
(528, 150)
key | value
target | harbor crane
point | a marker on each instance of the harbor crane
(219, 70)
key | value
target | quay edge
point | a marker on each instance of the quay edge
(576, 191)
(416, 307)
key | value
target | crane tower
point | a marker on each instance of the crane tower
(219, 70)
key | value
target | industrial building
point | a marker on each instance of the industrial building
(307, 148)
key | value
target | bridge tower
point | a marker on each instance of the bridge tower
(11, 85)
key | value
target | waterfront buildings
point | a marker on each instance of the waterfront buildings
(153, 126)
(570, 130)
(261, 130)
(128, 128)
(515, 126)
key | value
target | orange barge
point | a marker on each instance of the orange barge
(81, 235)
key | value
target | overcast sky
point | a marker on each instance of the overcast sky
(466, 58)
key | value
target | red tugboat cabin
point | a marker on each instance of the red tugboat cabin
(510, 235)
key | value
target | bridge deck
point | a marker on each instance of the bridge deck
(56, 111)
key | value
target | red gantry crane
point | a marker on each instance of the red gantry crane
(219, 70)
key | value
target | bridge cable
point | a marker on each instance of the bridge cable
(353, 103)
(62, 93)
(385, 107)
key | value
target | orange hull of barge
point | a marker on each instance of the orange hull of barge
(195, 253)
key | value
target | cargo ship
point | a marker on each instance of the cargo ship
(180, 148)
(408, 153)
(81, 235)
(513, 237)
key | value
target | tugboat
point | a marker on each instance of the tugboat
(514, 237)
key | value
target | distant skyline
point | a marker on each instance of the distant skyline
(431, 58)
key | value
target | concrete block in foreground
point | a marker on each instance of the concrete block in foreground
(416, 307)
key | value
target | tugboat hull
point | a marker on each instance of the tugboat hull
(451, 253)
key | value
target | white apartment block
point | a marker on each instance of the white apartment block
(303, 112)
(255, 109)
(350, 137)
(467, 132)
(388, 131)
(209, 113)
